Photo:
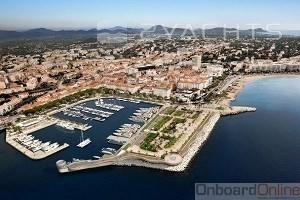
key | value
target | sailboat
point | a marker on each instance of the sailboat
(83, 142)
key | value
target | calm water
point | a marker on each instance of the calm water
(291, 33)
(252, 147)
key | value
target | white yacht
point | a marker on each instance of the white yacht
(66, 126)
(83, 142)
(97, 157)
(35, 149)
(109, 151)
(51, 147)
(45, 144)
(28, 138)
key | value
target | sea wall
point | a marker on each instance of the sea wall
(234, 110)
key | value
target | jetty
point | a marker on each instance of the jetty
(64, 166)
(41, 123)
(116, 138)
(75, 125)
(34, 155)
(234, 110)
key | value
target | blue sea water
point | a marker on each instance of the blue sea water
(251, 147)
(295, 33)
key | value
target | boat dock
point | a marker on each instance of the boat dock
(43, 123)
(100, 103)
(118, 139)
(34, 155)
(76, 125)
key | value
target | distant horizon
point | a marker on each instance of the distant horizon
(99, 28)
(70, 14)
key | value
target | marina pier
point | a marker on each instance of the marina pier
(35, 155)
(24, 142)
(72, 125)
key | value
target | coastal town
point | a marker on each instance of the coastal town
(151, 100)
(178, 69)
(189, 83)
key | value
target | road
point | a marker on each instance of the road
(227, 82)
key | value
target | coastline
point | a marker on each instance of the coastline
(244, 80)
(207, 129)
(196, 145)
(194, 148)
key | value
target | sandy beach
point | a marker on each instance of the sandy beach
(239, 85)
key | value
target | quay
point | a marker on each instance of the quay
(29, 127)
(44, 122)
(40, 127)
(118, 139)
(37, 155)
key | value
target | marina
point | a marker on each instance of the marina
(117, 140)
(91, 111)
(71, 125)
(130, 100)
(83, 142)
(100, 103)
(35, 150)
(127, 130)
(31, 174)
(66, 127)
(143, 114)
(81, 112)
(109, 151)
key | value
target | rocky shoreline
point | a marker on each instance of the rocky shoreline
(194, 148)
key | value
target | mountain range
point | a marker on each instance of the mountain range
(158, 29)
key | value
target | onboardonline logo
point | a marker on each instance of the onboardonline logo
(248, 191)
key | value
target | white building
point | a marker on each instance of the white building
(32, 83)
(198, 84)
(197, 62)
(215, 70)
(162, 92)
(6, 107)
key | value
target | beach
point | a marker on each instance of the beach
(239, 85)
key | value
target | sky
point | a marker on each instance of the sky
(85, 14)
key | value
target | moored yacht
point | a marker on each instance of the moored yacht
(109, 151)
(83, 142)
